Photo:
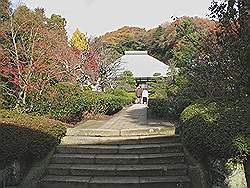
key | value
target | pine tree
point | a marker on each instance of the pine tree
(79, 40)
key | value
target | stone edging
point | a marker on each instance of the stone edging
(195, 171)
(36, 172)
(123, 132)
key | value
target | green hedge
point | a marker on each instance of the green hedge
(125, 97)
(168, 108)
(26, 137)
(68, 103)
(216, 128)
(102, 103)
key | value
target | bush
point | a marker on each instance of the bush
(216, 128)
(60, 101)
(118, 92)
(166, 88)
(168, 108)
(207, 110)
(6, 101)
(68, 103)
(126, 97)
(111, 104)
(25, 138)
(106, 103)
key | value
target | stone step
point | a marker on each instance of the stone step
(117, 170)
(168, 158)
(167, 131)
(129, 149)
(153, 139)
(115, 182)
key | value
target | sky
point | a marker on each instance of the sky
(96, 17)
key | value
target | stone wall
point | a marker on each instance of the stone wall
(226, 174)
(216, 173)
(13, 175)
(196, 171)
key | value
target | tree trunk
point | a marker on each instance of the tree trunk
(24, 98)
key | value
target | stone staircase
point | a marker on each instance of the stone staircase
(139, 158)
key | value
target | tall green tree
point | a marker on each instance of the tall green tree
(57, 23)
(187, 43)
(232, 37)
(79, 40)
(215, 60)
(155, 43)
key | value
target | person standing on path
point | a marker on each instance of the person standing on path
(138, 94)
(144, 96)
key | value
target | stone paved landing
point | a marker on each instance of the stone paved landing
(131, 118)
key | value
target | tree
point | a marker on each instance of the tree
(190, 35)
(70, 60)
(79, 41)
(126, 81)
(91, 65)
(108, 65)
(160, 40)
(215, 59)
(4, 9)
(153, 40)
(27, 53)
(79, 67)
(58, 24)
(186, 45)
(125, 39)
(97, 67)
(229, 52)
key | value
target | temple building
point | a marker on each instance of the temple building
(143, 66)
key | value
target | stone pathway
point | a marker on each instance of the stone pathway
(126, 151)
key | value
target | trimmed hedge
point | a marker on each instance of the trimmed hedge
(25, 138)
(216, 128)
(68, 103)
(124, 97)
(168, 108)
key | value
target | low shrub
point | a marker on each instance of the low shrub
(118, 92)
(111, 103)
(68, 103)
(207, 110)
(106, 103)
(25, 138)
(6, 101)
(61, 101)
(126, 97)
(216, 128)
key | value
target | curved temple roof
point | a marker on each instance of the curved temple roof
(142, 65)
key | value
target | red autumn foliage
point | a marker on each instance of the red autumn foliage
(27, 57)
